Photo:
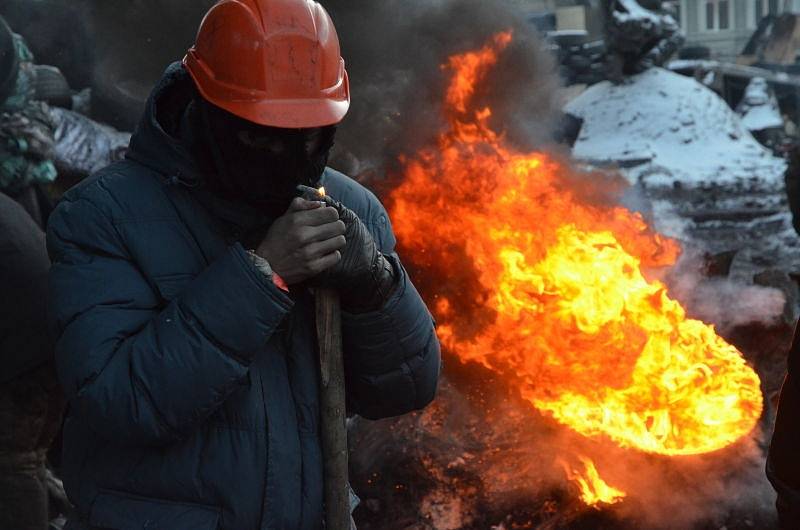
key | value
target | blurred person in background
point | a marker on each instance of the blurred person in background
(31, 402)
(42, 139)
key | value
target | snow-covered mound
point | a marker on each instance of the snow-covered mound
(759, 107)
(664, 129)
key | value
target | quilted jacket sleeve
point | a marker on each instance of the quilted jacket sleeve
(137, 372)
(392, 357)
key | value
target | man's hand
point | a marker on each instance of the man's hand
(364, 277)
(305, 241)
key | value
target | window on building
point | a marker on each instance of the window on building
(710, 14)
(762, 8)
(724, 14)
(718, 15)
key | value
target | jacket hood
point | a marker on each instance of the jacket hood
(156, 143)
(162, 143)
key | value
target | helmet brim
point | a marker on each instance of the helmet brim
(287, 114)
(284, 113)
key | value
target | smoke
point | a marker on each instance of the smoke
(727, 303)
(703, 282)
(119, 48)
(394, 50)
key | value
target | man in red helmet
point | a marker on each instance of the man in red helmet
(181, 289)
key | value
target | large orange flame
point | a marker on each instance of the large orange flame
(574, 323)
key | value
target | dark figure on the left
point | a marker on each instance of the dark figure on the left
(42, 139)
(31, 402)
(30, 399)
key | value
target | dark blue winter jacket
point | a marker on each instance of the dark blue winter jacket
(191, 378)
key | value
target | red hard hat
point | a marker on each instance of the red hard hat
(272, 62)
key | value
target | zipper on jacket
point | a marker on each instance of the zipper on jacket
(264, 506)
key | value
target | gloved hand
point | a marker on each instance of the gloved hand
(364, 277)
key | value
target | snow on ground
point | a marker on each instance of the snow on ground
(705, 179)
(759, 108)
(667, 130)
(758, 118)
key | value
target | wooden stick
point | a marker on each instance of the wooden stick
(332, 400)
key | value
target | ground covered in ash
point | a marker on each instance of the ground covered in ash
(481, 459)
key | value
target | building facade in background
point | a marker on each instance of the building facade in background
(725, 26)
(569, 14)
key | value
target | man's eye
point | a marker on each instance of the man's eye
(265, 143)
(313, 140)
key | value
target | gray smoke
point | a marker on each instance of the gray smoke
(703, 283)
(724, 302)
(394, 50)
(714, 296)
(119, 48)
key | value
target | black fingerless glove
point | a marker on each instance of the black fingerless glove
(364, 277)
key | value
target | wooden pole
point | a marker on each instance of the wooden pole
(332, 400)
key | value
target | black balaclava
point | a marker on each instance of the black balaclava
(261, 165)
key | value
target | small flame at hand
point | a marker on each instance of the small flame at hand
(321, 191)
